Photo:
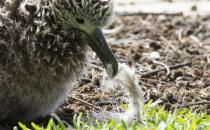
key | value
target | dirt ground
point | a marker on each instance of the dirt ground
(170, 54)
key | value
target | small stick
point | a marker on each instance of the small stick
(147, 74)
(153, 80)
(164, 65)
(194, 104)
(86, 103)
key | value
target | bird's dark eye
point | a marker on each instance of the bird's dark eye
(80, 21)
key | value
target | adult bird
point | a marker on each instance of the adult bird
(43, 47)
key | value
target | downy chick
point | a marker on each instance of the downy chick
(43, 45)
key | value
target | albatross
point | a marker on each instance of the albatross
(43, 48)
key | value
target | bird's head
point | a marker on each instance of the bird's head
(90, 16)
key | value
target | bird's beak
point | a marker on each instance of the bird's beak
(101, 48)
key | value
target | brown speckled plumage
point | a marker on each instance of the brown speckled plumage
(40, 58)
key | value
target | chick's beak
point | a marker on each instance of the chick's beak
(101, 48)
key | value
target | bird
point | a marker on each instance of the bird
(43, 50)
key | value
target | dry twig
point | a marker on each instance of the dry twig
(153, 80)
(164, 65)
(86, 103)
(147, 74)
(194, 104)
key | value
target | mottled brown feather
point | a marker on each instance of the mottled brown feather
(39, 62)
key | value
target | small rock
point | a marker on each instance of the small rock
(154, 55)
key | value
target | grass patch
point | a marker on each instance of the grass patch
(155, 118)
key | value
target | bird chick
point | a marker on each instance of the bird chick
(43, 46)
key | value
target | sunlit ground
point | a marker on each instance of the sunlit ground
(160, 6)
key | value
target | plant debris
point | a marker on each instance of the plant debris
(178, 77)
